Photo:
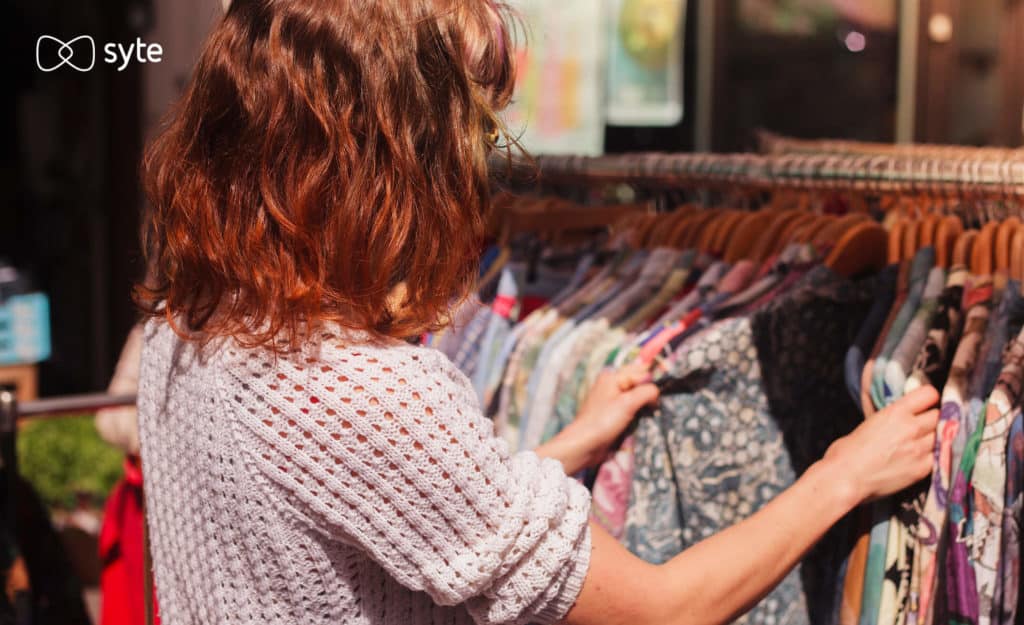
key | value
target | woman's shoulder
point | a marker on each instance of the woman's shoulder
(333, 357)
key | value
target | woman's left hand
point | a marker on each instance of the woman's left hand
(607, 411)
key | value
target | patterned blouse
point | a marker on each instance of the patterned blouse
(767, 400)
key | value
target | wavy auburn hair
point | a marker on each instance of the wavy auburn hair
(328, 161)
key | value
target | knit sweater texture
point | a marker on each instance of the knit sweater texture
(349, 481)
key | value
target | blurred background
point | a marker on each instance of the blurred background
(596, 76)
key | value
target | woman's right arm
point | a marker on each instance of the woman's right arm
(720, 578)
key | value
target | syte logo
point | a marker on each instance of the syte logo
(79, 53)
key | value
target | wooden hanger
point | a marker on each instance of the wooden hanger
(1004, 242)
(909, 244)
(709, 233)
(643, 229)
(725, 232)
(679, 234)
(661, 236)
(894, 244)
(927, 230)
(811, 230)
(983, 255)
(744, 240)
(1017, 254)
(964, 248)
(655, 230)
(830, 235)
(861, 249)
(788, 235)
(768, 241)
(946, 234)
(784, 200)
(690, 237)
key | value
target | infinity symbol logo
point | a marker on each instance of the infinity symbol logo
(65, 52)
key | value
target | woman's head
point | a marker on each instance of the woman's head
(326, 155)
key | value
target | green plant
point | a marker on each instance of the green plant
(63, 458)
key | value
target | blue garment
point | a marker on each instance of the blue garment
(921, 266)
(857, 355)
(498, 327)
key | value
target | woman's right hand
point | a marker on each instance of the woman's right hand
(891, 449)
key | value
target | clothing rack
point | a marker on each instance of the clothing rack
(938, 175)
(772, 143)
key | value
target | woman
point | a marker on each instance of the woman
(314, 199)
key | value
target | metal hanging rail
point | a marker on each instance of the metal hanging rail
(880, 173)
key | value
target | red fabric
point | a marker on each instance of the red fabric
(122, 552)
(530, 304)
(503, 305)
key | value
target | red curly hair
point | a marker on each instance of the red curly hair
(326, 156)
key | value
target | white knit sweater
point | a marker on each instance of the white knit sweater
(348, 483)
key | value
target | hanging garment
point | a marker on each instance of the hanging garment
(932, 367)
(989, 480)
(870, 330)
(876, 594)
(900, 546)
(932, 364)
(856, 592)
(922, 265)
(122, 552)
(1005, 610)
(611, 489)
(958, 583)
(931, 531)
(557, 365)
(707, 459)
(901, 363)
(505, 313)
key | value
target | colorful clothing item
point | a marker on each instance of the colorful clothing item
(505, 313)
(932, 364)
(960, 583)
(901, 362)
(870, 330)
(900, 547)
(709, 458)
(1005, 611)
(989, 479)
(922, 265)
(878, 603)
(611, 489)
(932, 367)
(931, 530)
(855, 584)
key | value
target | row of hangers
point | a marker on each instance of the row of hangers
(996, 248)
(854, 242)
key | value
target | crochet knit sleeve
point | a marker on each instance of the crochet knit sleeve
(386, 449)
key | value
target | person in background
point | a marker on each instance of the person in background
(122, 548)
